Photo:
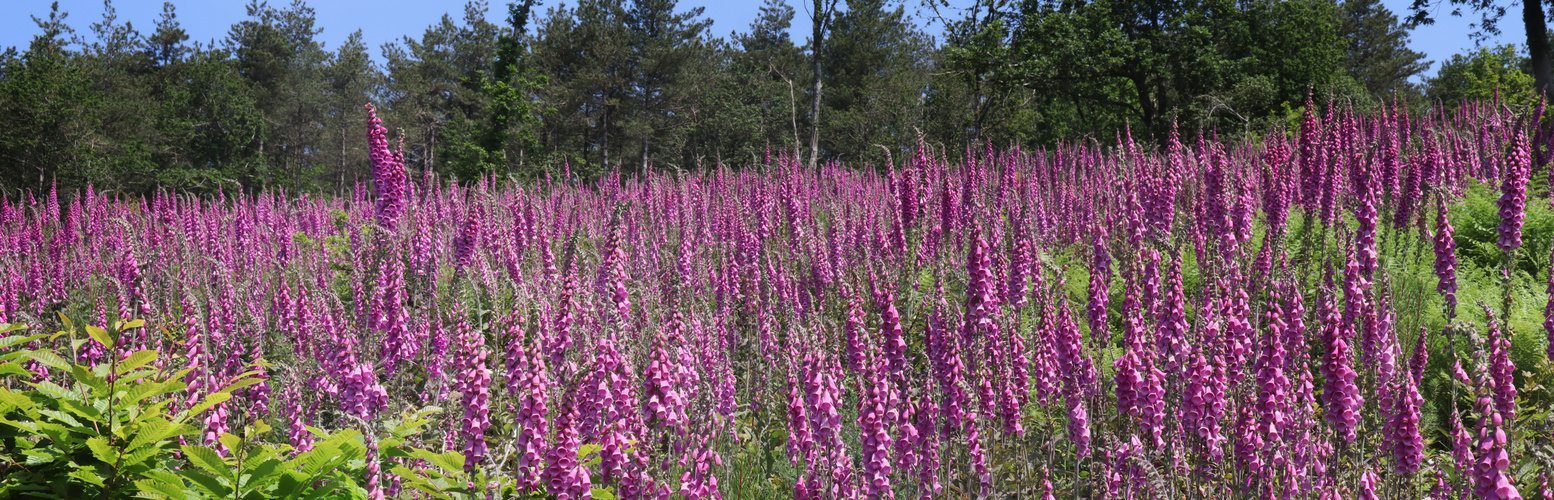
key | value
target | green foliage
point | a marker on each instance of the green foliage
(1477, 223)
(118, 428)
(1156, 63)
(602, 85)
(1483, 74)
(1376, 52)
(109, 432)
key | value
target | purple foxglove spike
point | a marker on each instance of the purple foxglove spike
(1339, 392)
(388, 173)
(1446, 262)
(1513, 195)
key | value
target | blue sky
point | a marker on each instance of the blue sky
(388, 21)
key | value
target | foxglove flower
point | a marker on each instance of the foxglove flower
(1513, 195)
(388, 173)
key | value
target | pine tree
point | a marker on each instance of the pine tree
(1377, 53)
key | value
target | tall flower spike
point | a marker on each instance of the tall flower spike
(1513, 195)
(1446, 263)
(1339, 392)
(389, 182)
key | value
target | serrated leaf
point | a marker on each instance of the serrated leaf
(210, 400)
(166, 490)
(15, 399)
(87, 476)
(12, 340)
(85, 376)
(102, 451)
(13, 369)
(136, 360)
(449, 462)
(239, 384)
(135, 457)
(207, 459)
(49, 359)
(263, 474)
(138, 392)
(150, 431)
(230, 441)
(210, 485)
(101, 336)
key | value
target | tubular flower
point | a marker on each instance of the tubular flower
(1339, 391)
(388, 174)
(1513, 194)
(1446, 262)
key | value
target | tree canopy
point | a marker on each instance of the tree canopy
(637, 85)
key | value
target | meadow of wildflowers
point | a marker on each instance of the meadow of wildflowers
(1276, 318)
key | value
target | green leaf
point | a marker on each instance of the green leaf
(451, 462)
(11, 340)
(150, 431)
(49, 359)
(602, 493)
(138, 392)
(14, 399)
(135, 457)
(13, 369)
(102, 451)
(262, 475)
(210, 485)
(132, 324)
(100, 335)
(169, 490)
(88, 412)
(231, 441)
(87, 476)
(239, 384)
(136, 360)
(85, 376)
(207, 459)
(211, 399)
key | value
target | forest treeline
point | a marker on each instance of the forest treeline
(631, 85)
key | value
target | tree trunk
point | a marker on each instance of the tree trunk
(1146, 105)
(818, 17)
(1537, 44)
(604, 137)
(341, 185)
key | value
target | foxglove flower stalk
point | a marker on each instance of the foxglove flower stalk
(1513, 195)
(1203, 403)
(465, 245)
(1408, 445)
(1491, 479)
(528, 381)
(876, 442)
(388, 173)
(1548, 308)
(1100, 281)
(1339, 391)
(801, 440)
(1446, 263)
(563, 476)
(1273, 385)
(1500, 368)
